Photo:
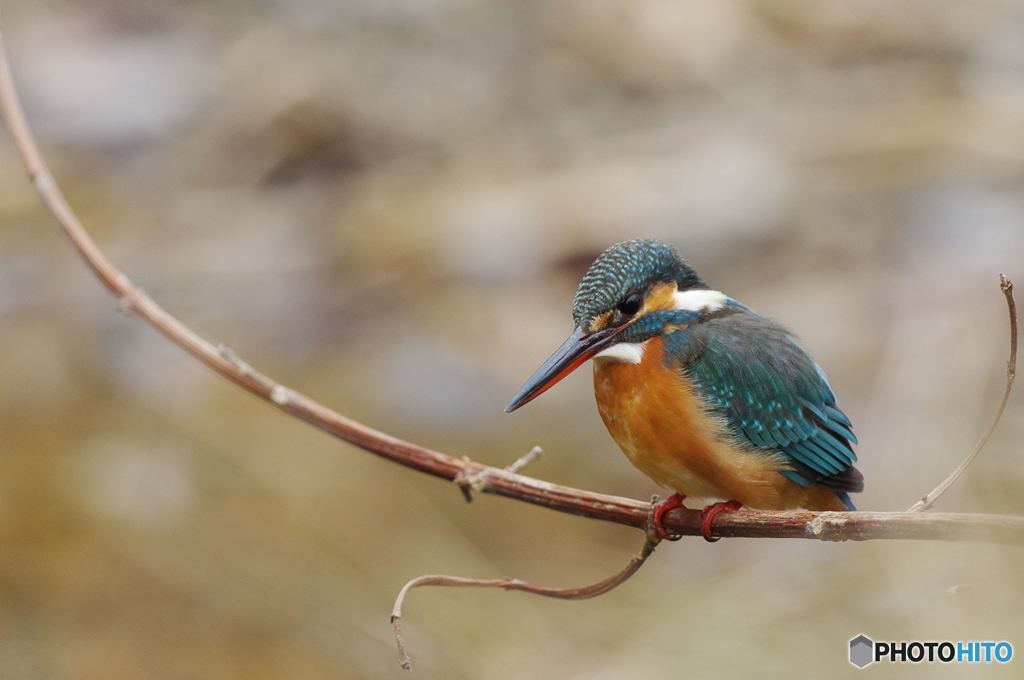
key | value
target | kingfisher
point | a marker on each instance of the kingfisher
(703, 395)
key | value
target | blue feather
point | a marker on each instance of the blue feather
(846, 500)
(768, 391)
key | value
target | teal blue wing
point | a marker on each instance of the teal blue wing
(772, 396)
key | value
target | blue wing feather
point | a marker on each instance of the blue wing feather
(771, 394)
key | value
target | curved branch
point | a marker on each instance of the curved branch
(751, 524)
(928, 500)
(581, 593)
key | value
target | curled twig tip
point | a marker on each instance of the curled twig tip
(928, 500)
(582, 593)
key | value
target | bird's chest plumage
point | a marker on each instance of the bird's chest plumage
(661, 423)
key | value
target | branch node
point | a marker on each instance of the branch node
(828, 526)
(281, 395)
(43, 182)
(236, 361)
(125, 305)
(462, 481)
(651, 527)
(468, 482)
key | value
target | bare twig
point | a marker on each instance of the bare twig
(477, 481)
(582, 593)
(532, 455)
(1011, 371)
(626, 511)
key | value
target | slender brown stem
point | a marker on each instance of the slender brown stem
(581, 593)
(1011, 371)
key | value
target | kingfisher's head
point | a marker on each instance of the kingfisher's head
(633, 291)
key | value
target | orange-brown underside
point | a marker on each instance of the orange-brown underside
(657, 419)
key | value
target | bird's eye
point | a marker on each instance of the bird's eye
(631, 304)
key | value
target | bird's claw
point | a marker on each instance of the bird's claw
(708, 515)
(658, 512)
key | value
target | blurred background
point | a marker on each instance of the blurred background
(387, 205)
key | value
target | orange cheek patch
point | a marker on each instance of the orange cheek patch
(661, 297)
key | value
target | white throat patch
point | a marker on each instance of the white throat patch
(699, 300)
(626, 352)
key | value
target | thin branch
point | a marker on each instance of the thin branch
(582, 593)
(1011, 371)
(478, 481)
(626, 511)
(532, 455)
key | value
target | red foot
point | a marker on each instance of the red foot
(660, 508)
(708, 515)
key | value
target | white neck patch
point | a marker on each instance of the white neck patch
(626, 352)
(699, 300)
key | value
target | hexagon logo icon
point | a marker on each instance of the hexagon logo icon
(862, 651)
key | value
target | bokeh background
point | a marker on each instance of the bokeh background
(387, 204)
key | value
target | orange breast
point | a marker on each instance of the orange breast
(658, 420)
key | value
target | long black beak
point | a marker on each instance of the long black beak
(573, 352)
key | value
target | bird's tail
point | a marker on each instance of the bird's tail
(844, 498)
